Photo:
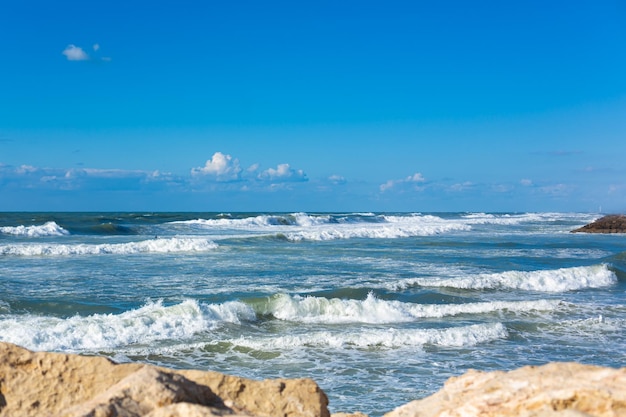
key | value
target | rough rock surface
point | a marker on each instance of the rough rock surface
(556, 389)
(61, 385)
(615, 223)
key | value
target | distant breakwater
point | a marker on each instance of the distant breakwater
(614, 223)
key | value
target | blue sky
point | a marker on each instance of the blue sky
(313, 106)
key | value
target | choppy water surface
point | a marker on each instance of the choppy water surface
(379, 308)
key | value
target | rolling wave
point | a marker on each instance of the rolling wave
(144, 325)
(163, 245)
(318, 227)
(264, 220)
(377, 338)
(376, 231)
(375, 311)
(554, 280)
(111, 229)
(47, 229)
(515, 219)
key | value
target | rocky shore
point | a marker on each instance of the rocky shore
(65, 385)
(614, 223)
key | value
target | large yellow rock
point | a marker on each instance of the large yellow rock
(556, 389)
(54, 384)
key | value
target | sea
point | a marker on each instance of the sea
(378, 308)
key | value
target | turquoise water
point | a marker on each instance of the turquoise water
(378, 308)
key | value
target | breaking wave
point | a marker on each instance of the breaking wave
(144, 325)
(514, 219)
(555, 280)
(162, 245)
(387, 338)
(265, 220)
(375, 311)
(301, 226)
(46, 229)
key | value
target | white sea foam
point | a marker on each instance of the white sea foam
(46, 229)
(302, 226)
(261, 221)
(514, 219)
(392, 227)
(150, 323)
(552, 280)
(384, 338)
(373, 310)
(161, 245)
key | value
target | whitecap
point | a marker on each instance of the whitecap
(147, 324)
(161, 245)
(372, 310)
(46, 229)
(462, 336)
(551, 280)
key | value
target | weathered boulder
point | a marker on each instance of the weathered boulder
(62, 385)
(615, 223)
(563, 389)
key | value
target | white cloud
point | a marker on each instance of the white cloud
(501, 188)
(96, 46)
(30, 177)
(461, 186)
(388, 185)
(415, 178)
(26, 169)
(556, 189)
(283, 173)
(75, 53)
(337, 179)
(222, 167)
(526, 182)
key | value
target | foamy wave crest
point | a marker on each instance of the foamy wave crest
(46, 229)
(513, 219)
(388, 338)
(295, 219)
(302, 226)
(373, 310)
(392, 227)
(553, 280)
(146, 246)
(147, 324)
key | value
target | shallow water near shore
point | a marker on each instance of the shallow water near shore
(378, 308)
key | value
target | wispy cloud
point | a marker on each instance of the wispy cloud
(556, 190)
(31, 177)
(283, 173)
(411, 179)
(559, 152)
(463, 186)
(337, 179)
(77, 53)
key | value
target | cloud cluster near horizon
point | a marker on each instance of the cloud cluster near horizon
(224, 173)
(221, 171)
(225, 168)
(411, 179)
